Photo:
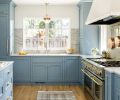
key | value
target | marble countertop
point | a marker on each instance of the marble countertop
(90, 56)
(115, 70)
(6, 63)
(46, 55)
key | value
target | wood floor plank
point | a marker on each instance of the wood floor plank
(30, 92)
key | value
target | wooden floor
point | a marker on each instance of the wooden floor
(30, 92)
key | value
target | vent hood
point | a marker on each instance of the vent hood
(104, 12)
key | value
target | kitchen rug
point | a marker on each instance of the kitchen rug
(55, 95)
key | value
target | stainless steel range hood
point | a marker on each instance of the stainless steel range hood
(104, 12)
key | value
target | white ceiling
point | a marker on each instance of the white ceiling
(41, 2)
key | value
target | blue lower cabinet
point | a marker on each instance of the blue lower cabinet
(21, 69)
(112, 86)
(81, 75)
(116, 87)
(108, 86)
(1, 85)
(39, 73)
(71, 69)
(6, 83)
(55, 73)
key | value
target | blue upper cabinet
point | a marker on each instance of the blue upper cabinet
(5, 22)
(89, 34)
(3, 36)
(4, 29)
(4, 9)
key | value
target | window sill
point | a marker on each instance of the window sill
(46, 55)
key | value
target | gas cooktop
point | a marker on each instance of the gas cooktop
(106, 62)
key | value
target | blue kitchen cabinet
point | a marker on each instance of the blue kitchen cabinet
(46, 69)
(81, 75)
(5, 27)
(39, 73)
(71, 70)
(55, 73)
(21, 69)
(1, 85)
(112, 86)
(116, 87)
(6, 83)
(108, 86)
(89, 34)
(3, 36)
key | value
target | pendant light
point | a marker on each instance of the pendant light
(46, 18)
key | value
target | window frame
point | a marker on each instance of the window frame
(47, 37)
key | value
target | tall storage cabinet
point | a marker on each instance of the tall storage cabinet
(6, 26)
(89, 34)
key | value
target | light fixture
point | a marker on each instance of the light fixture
(46, 18)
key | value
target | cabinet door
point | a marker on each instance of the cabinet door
(21, 70)
(71, 70)
(108, 86)
(39, 73)
(55, 73)
(116, 87)
(4, 9)
(81, 75)
(3, 36)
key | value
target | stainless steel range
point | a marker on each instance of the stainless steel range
(94, 75)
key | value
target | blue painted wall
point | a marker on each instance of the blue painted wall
(89, 34)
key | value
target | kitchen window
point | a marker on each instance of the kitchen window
(39, 35)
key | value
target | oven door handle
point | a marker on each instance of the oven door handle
(93, 78)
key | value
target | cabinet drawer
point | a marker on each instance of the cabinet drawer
(47, 59)
(8, 73)
(67, 58)
(4, 9)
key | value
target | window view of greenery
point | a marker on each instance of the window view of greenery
(38, 35)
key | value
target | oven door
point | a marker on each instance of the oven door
(88, 83)
(93, 85)
(98, 88)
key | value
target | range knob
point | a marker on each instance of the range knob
(99, 72)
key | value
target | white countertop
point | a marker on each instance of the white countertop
(5, 65)
(46, 55)
(115, 70)
(90, 56)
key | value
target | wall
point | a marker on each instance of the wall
(89, 34)
(71, 12)
(66, 11)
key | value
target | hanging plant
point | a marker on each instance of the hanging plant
(42, 25)
(52, 24)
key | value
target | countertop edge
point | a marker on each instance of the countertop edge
(17, 55)
(5, 66)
